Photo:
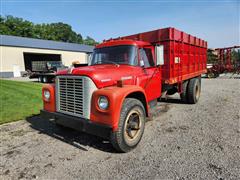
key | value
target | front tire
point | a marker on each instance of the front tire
(130, 127)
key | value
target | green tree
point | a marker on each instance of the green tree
(90, 41)
(16, 26)
(10, 25)
(211, 58)
(235, 56)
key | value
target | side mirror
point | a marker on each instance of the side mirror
(159, 51)
(142, 64)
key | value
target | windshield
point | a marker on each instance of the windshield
(115, 55)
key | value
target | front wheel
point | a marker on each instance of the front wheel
(130, 127)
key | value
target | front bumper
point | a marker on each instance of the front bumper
(78, 123)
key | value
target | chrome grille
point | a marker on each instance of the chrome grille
(74, 95)
(71, 95)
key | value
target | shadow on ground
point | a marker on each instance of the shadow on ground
(77, 139)
(82, 140)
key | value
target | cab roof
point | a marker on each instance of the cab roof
(119, 42)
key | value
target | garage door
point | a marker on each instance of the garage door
(38, 62)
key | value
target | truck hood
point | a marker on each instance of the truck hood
(105, 75)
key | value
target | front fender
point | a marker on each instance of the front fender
(116, 96)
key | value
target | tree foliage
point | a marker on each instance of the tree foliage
(15, 26)
(211, 57)
(236, 56)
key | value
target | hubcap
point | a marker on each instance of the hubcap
(132, 126)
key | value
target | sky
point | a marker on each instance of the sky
(216, 21)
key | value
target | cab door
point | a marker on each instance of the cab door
(150, 79)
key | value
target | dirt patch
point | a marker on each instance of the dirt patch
(215, 168)
(174, 129)
(11, 153)
(182, 142)
(18, 133)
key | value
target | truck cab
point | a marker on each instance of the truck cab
(133, 63)
(111, 97)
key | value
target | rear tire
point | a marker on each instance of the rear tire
(194, 90)
(130, 127)
(184, 94)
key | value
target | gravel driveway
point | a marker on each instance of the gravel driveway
(199, 141)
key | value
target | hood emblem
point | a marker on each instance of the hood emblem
(70, 69)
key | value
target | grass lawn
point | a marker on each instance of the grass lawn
(19, 100)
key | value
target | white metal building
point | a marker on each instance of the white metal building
(16, 53)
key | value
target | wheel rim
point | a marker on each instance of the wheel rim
(132, 127)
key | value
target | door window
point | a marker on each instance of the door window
(146, 57)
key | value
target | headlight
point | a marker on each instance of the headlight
(46, 94)
(103, 102)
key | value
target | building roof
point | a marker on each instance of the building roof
(16, 41)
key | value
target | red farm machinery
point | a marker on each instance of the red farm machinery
(225, 62)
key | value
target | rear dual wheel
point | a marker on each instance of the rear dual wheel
(194, 90)
(131, 126)
(191, 91)
(184, 94)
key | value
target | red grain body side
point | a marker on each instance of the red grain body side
(185, 56)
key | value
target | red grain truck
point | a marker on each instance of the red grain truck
(113, 96)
